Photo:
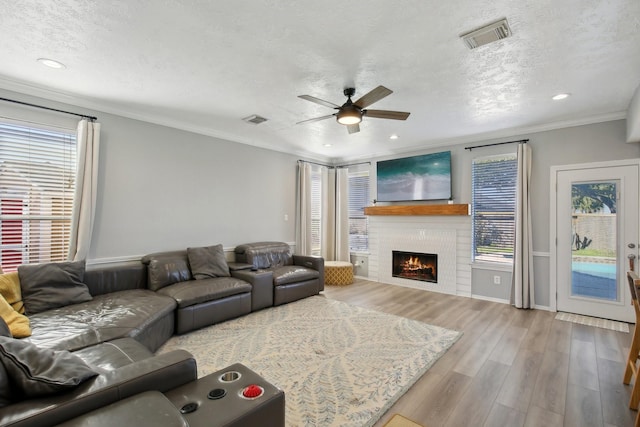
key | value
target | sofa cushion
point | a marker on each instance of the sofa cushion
(264, 254)
(36, 372)
(18, 323)
(106, 317)
(293, 274)
(162, 373)
(10, 290)
(195, 292)
(147, 409)
(105, 280)
(5, 386)
(167, 270)
(4, 329)
(52, 285)
(208, 262)
(115, 354)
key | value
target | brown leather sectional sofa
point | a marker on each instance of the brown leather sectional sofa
(135, 309)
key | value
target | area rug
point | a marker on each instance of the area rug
(339, 365)
(399, 421)
(593, 321)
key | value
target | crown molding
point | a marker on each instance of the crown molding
(487, 136)
(98, 106)
(105, 107)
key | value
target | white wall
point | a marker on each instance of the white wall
(580, 144)
(161, 188)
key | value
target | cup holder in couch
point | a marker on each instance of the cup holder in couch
(230, 376)
(217, 393)
(189, 408)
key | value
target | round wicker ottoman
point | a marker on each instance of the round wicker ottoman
(338, 273)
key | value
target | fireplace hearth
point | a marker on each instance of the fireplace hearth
(415, 266)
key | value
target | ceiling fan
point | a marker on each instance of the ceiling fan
(351, 113)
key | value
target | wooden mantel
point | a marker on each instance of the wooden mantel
(453, 209)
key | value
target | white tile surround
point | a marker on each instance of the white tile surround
(447, 236)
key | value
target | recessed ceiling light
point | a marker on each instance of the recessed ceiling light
(560, 96)
(327, 145)
(51, 63)
(394, 136)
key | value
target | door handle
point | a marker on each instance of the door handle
(631, 257)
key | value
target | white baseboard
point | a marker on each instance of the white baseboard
(543, 307)
(132, 259)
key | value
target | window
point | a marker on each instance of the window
(493, 197)
(37, 182)
(358, 200)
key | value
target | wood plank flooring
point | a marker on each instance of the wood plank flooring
(511, 367)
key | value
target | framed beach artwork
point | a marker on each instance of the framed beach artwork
(425, 177)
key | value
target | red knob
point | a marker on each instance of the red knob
(252, 391)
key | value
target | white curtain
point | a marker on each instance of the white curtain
(333, 209)
(342, 215)
(328, 215)
(303, 216)
(523, 250)
(84, 201)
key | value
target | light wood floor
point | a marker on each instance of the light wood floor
(511, 367)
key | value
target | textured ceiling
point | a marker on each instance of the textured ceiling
(204, 65)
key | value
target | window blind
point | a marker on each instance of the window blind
(493, 208)
(316, 211)
(37, 182)
(358, 200)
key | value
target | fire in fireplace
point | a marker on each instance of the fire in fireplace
(415, 266)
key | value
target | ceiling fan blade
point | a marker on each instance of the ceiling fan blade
(317, 119)
(386, 114)
(373, 96)
(353, 128)
(319, 101)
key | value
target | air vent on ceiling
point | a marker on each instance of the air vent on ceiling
(255, 119)
(489, 33)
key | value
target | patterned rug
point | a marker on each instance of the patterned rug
(593, 321)
(339, 365)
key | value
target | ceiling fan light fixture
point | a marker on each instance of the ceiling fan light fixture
(349, 115)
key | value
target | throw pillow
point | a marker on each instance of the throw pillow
(33, 371)
(10, 290)
(208, 262)
(52, 285)
(18, 323)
